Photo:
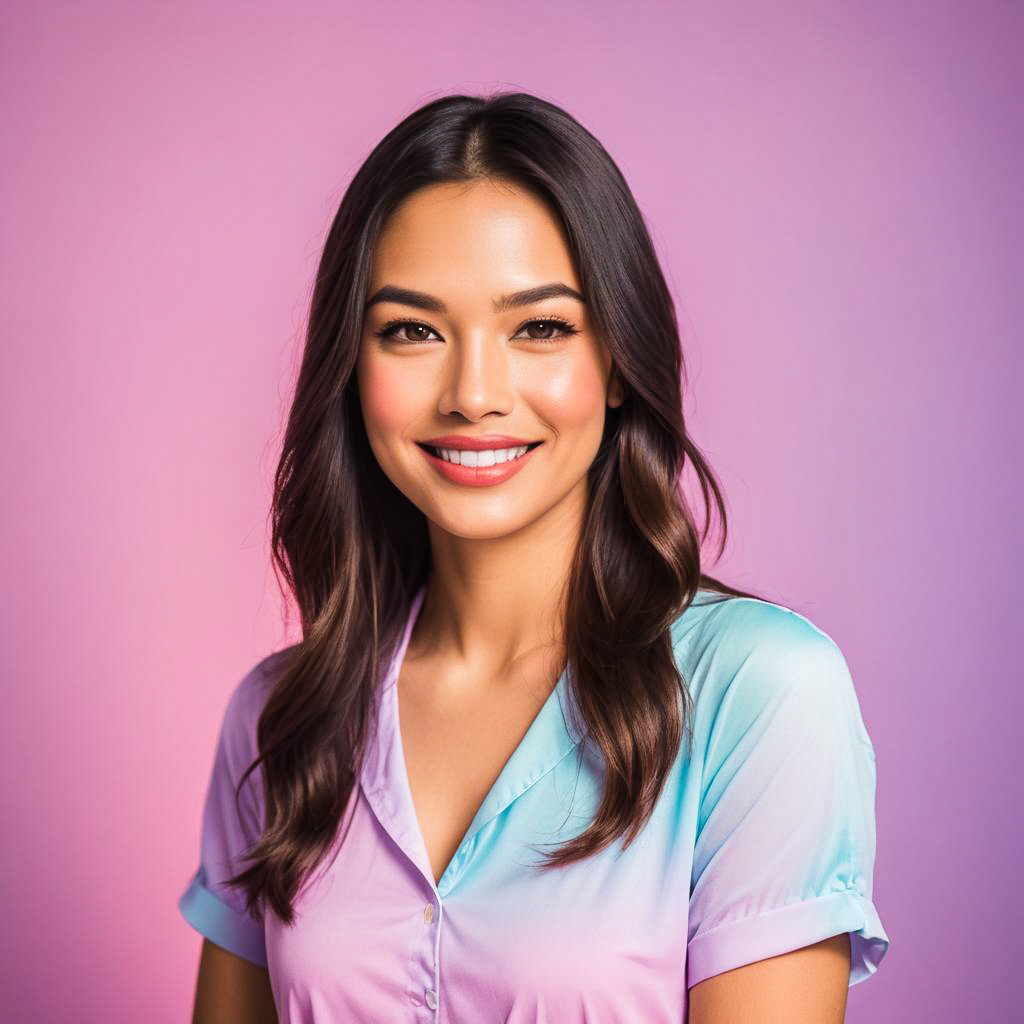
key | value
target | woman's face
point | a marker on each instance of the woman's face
(468, 368)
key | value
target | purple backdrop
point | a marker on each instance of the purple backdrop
(834, 192)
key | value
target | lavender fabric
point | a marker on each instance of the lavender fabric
(762, 841)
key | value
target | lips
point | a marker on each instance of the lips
(464, 442)
(478, 476)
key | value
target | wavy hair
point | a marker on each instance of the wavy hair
(353, 550)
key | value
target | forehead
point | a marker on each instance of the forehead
(474, 240)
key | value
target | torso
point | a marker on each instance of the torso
(456, 746)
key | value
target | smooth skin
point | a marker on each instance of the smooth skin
(472, 362)
(807, 986)
(463, 356)
(231, 990)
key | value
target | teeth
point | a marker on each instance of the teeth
(488, 457)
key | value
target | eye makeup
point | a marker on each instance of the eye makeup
(390, 330)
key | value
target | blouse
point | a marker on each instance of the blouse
(761, 842)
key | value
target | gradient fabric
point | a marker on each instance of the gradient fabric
(762, 841)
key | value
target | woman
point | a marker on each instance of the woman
(620, 790)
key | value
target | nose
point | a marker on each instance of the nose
(477, 377)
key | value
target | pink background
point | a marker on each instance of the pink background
(834, 190)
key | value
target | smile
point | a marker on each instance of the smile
(478, 468)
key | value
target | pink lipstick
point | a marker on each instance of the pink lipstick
(485, 451)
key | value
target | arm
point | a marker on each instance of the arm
(806, 986)
(231, 990)
(233, 984)
(785, 843)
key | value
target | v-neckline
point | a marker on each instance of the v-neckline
(549, 737)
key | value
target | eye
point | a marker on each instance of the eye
(564, 328)
(390, 330)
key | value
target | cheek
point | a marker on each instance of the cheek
(388, 396)
(570, 395)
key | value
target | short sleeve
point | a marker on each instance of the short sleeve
(214, 909)
(785, 843)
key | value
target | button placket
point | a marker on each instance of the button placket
(426, 992)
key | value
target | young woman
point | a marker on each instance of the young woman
(528, 762)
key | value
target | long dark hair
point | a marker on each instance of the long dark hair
(353, 550)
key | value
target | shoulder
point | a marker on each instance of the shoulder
(246, 702)
(742, 624)
(747, 656)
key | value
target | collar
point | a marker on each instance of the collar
(385, 782)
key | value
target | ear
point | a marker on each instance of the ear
(616, 392)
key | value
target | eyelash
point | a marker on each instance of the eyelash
(567, 329)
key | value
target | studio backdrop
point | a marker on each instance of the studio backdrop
(834, 194)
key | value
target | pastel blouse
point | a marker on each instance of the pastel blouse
(762, 841)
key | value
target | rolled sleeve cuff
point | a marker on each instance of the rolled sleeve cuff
(784, 929)
(223, 925)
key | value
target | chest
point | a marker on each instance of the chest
(494, 783)
(503, 940)
(454, 748)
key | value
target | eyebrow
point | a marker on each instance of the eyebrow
(408, 297)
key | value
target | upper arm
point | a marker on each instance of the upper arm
(785, 843)
(231, 990)
(233, 964)
(806, 986)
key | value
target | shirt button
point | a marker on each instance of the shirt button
(428, 913)
(431, 997)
